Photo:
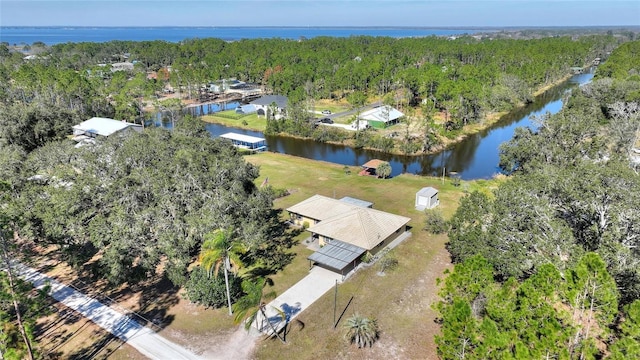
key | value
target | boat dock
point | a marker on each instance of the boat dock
(246, 142)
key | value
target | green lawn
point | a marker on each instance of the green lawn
(331, 106)
(230, 118)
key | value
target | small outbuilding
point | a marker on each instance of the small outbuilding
(370, 167)
(427, 198)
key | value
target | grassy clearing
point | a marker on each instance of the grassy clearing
(331, 105)
(230, 118)
(304, 178)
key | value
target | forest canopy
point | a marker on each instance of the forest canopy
(557, 245)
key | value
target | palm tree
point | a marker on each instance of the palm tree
(253, 303)
(383, 170)
(219, 248)
(362, 331)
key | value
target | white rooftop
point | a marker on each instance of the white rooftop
(383, 113)
(242, 137)
(103, 126)
(427, 191)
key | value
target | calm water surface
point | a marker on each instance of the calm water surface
(56, 35)
(476, 157)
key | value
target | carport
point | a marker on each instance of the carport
(337, 256)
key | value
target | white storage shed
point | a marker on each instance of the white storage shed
(427, 198)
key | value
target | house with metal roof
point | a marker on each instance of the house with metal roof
(346, 229)
(264, 103)
(381, 116)
(87, 131)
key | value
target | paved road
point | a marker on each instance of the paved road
(353, 111)
(298, 297)
(142, 338)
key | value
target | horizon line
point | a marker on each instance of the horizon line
(330, 26)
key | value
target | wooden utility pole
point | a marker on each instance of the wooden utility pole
(14, 297)
(335, 304)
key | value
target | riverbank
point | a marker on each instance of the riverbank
(412, 128)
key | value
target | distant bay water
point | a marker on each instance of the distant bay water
(56, 35)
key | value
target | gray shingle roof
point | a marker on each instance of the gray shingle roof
(344, 221)
(281, 101)
(363, 227)
(320, 207)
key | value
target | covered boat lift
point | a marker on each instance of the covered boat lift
(246, 142)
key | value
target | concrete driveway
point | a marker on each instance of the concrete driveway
(297, 298)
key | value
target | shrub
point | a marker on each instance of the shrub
(362, 331)
(434, 222)
(211, 291)
(279, 193)
(388, 262)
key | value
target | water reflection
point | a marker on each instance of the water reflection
(476, 157)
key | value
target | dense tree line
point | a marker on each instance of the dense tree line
(568, 216)
(145, 200)
(464, 78)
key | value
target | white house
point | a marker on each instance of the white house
(381, 117)
(88, 131)
(263, 104)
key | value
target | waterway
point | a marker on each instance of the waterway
(52, 35)
(475, 157)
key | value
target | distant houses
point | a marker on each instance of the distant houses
(121, 66)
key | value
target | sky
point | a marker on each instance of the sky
(424, 13)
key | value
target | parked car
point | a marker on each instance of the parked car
(326, 112)
(326, 121)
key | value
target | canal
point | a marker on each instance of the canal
(476, 157)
